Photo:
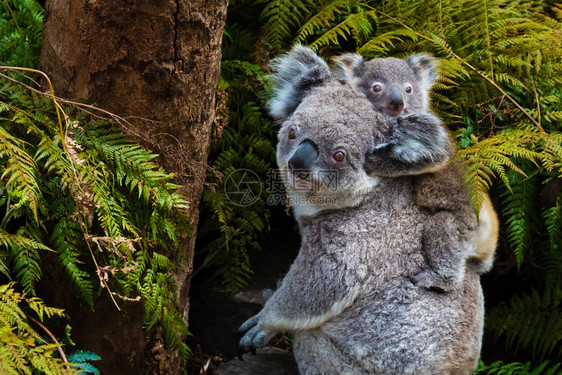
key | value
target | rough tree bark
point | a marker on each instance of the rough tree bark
(157, 61)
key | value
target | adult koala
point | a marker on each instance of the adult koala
(350, 295)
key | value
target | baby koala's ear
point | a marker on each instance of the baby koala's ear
(348, 66)
(424, 67)
(295, 73)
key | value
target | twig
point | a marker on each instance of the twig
(98, 270)
(113, 116)
(125, 298)
(59, 345)
(537, 98)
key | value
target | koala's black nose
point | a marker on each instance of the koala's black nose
(395, 100)
(304, 156)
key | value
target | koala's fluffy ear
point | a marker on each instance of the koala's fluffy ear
(348, 66)
(295, 74)
(425, 68)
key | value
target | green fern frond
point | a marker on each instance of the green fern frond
(517, 368)
(551, 259)
(496, 152)
(160, 307)
(382, 43)
(356, 25)
(519, 209)
(22, 256)
(13, 240)
(531, 321)
(21, 32)
(22, 348)
(322, 19)
(553, 220)
(67, 240)
(19, 173)
(280, 17)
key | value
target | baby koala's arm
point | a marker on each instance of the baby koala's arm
(415, 144)
(316, 289)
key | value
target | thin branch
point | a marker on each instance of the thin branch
(59, 345)
(500, 90)
(112, 116)
(537, 98)
(98, 268)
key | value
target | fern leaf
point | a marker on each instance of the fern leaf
(530, 321)
(519, 208)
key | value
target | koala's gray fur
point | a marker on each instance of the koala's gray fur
(350, 295)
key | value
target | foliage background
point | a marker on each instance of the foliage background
(500, 93)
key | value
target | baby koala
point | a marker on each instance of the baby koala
(393, 86)
(400, 88)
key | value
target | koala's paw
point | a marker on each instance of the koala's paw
(429, 279)
(421, 136)
(253, 335)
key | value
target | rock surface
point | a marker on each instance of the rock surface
(215, 316)
(267, 361)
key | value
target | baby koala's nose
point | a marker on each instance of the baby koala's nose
(304, 157)
(395, 101)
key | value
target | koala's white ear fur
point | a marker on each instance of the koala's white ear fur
(425, 67)
(295, 74)
(347, 66)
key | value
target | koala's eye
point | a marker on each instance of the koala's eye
(409, 89)
(377, 88)
(292, 134)
(339, 156)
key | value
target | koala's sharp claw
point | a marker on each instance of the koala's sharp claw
(254, 336)
(248, 324)
(240, 355)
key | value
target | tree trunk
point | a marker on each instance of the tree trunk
(156, 63)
